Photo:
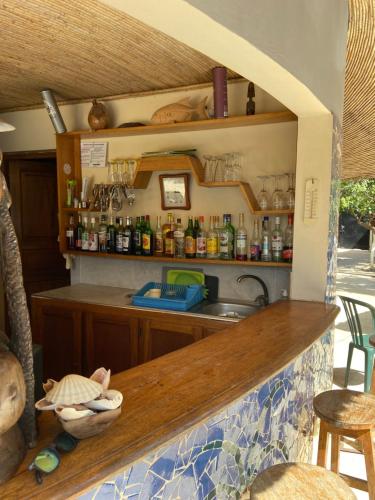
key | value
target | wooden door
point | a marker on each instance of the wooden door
(33, 186)
(110, 340)
(160, 337)
(59, 330)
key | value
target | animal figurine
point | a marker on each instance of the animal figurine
(12, 402)
(180, 111)
(20, 343)
(98, 116)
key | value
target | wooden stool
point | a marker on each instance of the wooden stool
(351, 414)
(299, 481)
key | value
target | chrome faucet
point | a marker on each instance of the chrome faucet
(262, 300)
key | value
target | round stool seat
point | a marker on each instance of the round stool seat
(299, 481)
(346, 409)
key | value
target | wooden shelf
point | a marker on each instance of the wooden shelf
(180, 261)
(211, 124)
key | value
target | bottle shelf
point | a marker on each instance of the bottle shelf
(154, 258)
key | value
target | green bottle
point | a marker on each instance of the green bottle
(190, 240)
(147, 237)
(79, 231)
(111, 236)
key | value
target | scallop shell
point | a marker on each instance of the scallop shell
(112, 399)
(74, 389)
(102, 376)
(68, 413)
(43, 405)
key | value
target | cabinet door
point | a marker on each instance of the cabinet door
(161, 336)
(58, 329)
(110, 340)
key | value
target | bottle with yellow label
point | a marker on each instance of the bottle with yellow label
(190, 240)
(147, 238)
(212, 241)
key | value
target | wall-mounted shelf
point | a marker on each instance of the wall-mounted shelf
(181, 261)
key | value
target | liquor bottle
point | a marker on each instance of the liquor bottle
(212, 241)
(79, 231)
(137, 237)
(201, 251)
(147, 237)
(85, 235)
(127, 237)
(266, 255)
(93, 236)
(70, 233)
(196, 226)
(103, 233)
(179, 240)
(255, 243)
(169, 248)
(120, 235)
(166, 227)
(159, 243)
(111, 236)
(277, 242)
(190, 240)
(241, 240)
(288, 241)
(226, 239)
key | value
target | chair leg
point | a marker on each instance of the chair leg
(369, 452)
(322, 445)
(335, 452)
(348, 363)
(369, 363)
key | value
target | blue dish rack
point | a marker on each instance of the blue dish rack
(172, 297)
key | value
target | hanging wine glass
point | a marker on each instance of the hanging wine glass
(263, 198)
(290, 194)
(277, 199)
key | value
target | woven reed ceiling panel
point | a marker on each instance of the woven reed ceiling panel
(359, 98)
(84, 49)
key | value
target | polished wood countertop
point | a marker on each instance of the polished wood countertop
(168, 395)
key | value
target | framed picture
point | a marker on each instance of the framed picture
(175, 192)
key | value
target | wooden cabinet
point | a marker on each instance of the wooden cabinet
(159, 337)
(81, 337)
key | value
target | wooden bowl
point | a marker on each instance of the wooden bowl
(90, 426)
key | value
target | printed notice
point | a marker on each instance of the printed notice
(94, 154)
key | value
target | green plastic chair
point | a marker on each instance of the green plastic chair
(360, 338)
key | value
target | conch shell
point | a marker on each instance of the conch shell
(110, 401)
(102, 376)
(74, 389)
(73, 412)
(180, 111)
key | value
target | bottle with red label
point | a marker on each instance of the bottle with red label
(288, 241)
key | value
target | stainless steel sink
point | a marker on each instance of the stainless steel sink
(226, 309)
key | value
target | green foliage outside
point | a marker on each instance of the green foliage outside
(358, 199)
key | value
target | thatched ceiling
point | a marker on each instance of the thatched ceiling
(359, 100)
(84, 49)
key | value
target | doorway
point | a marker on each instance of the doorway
(32, 182)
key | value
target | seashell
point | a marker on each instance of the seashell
(43, 405)
(90, 426)
(180, 111)
(47, 386)
(102, 376)
(74, 389)
(68, 413)
(98, 116)
(110, 401)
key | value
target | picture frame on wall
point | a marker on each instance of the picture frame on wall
(174, 191)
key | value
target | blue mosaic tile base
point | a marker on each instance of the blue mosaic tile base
(219, 458)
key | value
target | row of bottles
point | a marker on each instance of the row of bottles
(220, 241)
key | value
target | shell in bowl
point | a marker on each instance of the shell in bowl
(73, 412)
(90, 426)
(74, 389)
(110, 400)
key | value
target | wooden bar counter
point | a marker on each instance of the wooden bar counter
(167, 397)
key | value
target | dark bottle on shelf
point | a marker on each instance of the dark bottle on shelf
(169, 243)
(127, 238)
(201, 250)
(190, 240)
(70, 234)
(111, 236)
(147, 237)
(79, 231)
(179, 240)
(137, 238)
(119, 235)
(102, 233)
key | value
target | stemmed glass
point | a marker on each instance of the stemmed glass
(290, 194)
(277, 195)
(263, 198)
